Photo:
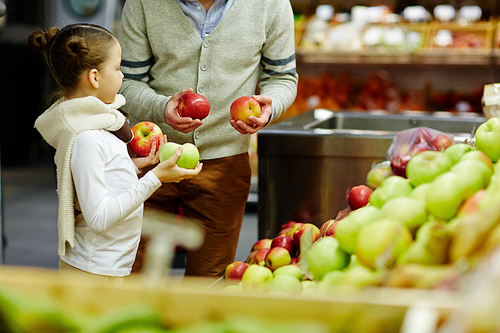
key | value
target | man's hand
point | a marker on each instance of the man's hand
(174, 120)
(257, 123)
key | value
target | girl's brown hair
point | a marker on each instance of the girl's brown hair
(72, 51)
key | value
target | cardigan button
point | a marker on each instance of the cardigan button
(204, 67)
(206, 43)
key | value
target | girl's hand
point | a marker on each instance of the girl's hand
(174, 120)
(169, 172)
(257, 123)
(153, 157)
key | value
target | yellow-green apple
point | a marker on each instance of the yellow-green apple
(382, 243)
(399, 163)
(430, 246)
(420, 191)
(291, 270)
(479, 156)
(359, 196)
(446, 194)
(391, 187)
(456, 151)
(325, 256)
(376, 176)
(145, 133)
(299, 232)
(346, 230)
(244, 107)
(328, 228)
(256, 278)
(355, 275)
(471, 204)
(260, 257)
(189, 158)
(426, 166)
(410, 212)
(264, 243)
(285, 283)
(277, 257)
(476, 173)
(285, 242)
(193, 105)
(441, 142)
(487, 138)
(234, 271)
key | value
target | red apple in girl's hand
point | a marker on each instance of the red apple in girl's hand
(145, 133)
(193, 105)
(359, 196)
(244, 107)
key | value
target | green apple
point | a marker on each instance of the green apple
(409, 211)
(346, 230)
(430, 246)
(325, 256)
(285, 283)
(382, 243)
(487, 138)
(424, 167)
(391, 187)
(476, 173)
(479, 156)
(291, 270)
(376, 176)
(257, 278)
(420, 191)
(456, 151)
(446, 194)
(189, 158)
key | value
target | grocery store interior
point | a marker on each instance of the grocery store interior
(367, 69)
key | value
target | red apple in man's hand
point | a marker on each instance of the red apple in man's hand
(285, 242)
(398, 164)
(234, 271)
(264, 243)
(441, 142)
(244, 107)
(359, 196)
(193, 105)
(145, 133)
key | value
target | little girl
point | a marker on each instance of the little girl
(100, 195)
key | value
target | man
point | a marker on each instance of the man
(221, 49)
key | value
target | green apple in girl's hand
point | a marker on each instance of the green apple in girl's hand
(189, 158)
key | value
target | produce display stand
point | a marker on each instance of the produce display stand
(190, 302)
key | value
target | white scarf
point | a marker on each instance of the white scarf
(59, 125)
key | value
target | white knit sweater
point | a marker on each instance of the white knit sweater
(59, 125)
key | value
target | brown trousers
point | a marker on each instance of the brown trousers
(216, 197)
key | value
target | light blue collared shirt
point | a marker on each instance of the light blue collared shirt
(204, 22)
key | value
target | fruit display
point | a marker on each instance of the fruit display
(423, 225)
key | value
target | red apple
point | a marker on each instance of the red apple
(260, 257)
(359, 196)
(441, 142)
(251, 257)
(264, 243)
(193, 105)
(297, 235)
(234, 271)
(398, 164)
(244, 107)
(284, 231)
(277, 257)
(328, 228)
(295, 227)
(285, 242)
(289, 224)
(145, 133)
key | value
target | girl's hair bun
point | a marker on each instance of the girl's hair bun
(39, 40)
(76, 47)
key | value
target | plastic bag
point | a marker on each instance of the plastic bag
(410, 142)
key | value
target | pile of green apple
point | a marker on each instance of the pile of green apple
(420, 231)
